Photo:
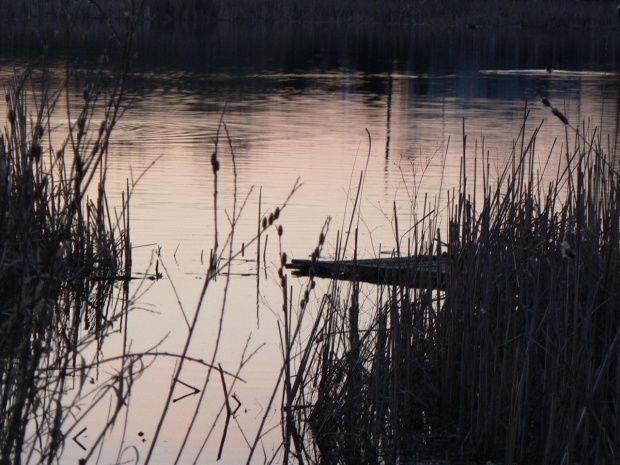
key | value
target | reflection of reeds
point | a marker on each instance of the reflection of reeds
(517, 360)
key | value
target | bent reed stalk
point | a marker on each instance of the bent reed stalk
(517, 361)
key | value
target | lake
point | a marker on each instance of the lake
(314, 105)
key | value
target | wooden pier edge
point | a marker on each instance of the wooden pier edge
(419, 271)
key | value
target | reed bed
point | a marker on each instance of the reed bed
(65, 262)
(516, 361)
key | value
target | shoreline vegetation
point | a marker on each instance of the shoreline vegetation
(521, 14)
(65, 258)
(516, 361)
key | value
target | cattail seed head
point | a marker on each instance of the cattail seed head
(307, 295)
(79, 166)
(559, 114)
(35, 152)
(545, 101)
(264, 222)
(12, 117)
(215, 164)
(276, 214)
(283, 259)
(270, 219)
(321, 239)
(280, 230)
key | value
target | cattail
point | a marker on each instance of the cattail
(559, 114)
(12, 117)
(321, 239)
(264, 222)
(280, 230)
(283, 259)
(79, 167)
(270, 219)
(545, 101)
(215, 164)
(35, 152)
(276, 214)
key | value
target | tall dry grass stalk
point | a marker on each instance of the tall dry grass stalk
(516, 361)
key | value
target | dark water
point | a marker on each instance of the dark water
(300, 102)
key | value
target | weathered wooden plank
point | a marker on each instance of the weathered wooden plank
(421, 271)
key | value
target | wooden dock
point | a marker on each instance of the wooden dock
(421, 271)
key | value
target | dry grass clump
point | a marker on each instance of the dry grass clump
(516, 361)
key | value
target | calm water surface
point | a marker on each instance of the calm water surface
(299, 105)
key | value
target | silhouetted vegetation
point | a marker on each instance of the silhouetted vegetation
(478, 13)
(515, 361)
(62, 253)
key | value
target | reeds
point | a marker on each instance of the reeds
(62, 253)
(516, 361)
